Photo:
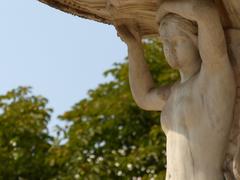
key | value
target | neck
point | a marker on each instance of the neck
(188, 72)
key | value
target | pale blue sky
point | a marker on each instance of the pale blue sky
(61, 56)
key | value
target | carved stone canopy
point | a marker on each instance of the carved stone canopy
(142, 12)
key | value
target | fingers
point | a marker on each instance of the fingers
(128, 31)
(135, 31)
(124, 33)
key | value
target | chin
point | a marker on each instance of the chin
(174, 65)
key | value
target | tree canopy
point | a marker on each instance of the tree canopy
(109, 137)
(24, 138)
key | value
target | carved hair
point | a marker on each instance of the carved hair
(184, 25)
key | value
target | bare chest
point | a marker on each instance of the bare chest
(182, 109)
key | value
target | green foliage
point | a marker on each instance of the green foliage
(24, 140)
(110, 137)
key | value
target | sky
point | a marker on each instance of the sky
(61, 56)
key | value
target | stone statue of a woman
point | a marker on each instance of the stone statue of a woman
(197, 111)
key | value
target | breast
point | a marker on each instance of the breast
(181, 111)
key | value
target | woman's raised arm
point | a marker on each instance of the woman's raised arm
(145, 94)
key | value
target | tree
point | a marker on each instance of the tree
(110, 137)
(24, 139)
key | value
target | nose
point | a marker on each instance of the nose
(166, 50)
(169, 51)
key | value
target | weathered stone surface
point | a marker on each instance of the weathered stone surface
(232, 160)
(195, 136)
(142, 11)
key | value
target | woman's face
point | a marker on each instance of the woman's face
(178, 48)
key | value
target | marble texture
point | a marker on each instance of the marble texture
(197, 111)
(200, 113)
(142, 11)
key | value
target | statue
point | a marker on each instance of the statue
(200, 113)
(197, 111)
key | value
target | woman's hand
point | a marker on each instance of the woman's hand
(129, 33)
